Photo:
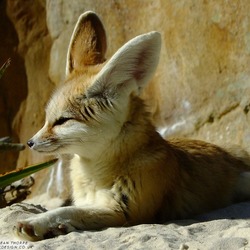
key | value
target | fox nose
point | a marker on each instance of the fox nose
(30, 143)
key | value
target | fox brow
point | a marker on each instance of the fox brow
(89, 107)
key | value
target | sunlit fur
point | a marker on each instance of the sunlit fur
(123, 172)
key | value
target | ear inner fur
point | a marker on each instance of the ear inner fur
(88, 43)
(130, 68)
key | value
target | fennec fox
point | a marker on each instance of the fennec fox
(123, 172)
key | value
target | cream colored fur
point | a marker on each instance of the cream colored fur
(123, 172)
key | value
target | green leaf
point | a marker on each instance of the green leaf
(4, 67)
(10, 177)
(7, 146)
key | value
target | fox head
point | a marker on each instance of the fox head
(99, 99)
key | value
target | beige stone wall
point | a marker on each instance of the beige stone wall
(202, 85)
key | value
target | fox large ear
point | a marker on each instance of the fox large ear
(130, 68)
(88, 43)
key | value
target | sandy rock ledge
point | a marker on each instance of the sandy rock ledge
(227, 228)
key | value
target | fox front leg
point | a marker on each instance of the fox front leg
(65, 220)
(44, 225)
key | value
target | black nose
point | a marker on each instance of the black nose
(30, 143)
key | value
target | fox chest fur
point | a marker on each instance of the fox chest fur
(146, 189)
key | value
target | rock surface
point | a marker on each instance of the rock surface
(202, 85)
(216, 230)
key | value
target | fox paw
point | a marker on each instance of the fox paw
(39, 229)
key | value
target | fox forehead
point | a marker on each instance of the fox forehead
(74, 87)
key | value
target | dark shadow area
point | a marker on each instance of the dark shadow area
(13, 86)
(236, 211)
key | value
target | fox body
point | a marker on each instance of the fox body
(123, 172)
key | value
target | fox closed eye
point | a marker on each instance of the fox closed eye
(62, 120)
